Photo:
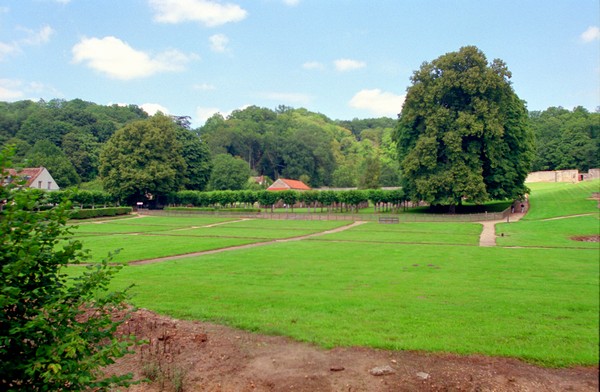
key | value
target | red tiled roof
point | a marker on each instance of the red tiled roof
(29, 173)
(291, 184)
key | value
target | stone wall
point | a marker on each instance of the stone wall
(572, 176)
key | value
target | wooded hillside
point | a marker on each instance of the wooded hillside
(67, 137)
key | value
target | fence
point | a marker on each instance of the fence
(402, 217)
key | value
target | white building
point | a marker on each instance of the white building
(35, 177)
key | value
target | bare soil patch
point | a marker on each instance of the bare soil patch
(198, 356)
(587, 238)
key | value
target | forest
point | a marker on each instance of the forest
(74, 139)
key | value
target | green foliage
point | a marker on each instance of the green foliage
(228, 173)
(143, 160)
(56, 332)
(99, 212)
(566, 139)
(76, 127)
(197, 160)
(463, 132)
(294, 143)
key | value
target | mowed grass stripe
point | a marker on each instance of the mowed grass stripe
(144, 224)
(143, 247)
(150, 243)
(536, 304)
(416, 232)
(549, 233)
(562, 199)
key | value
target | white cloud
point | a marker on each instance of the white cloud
(348, 64)
(14, 89)
(591, 34)
(313, 65)
(297, 98)
(153, 108)
(10, 90)
(204, 87)
(33, 38)
(118, 60)
(7, 49)
(218, 42)
(37, 37)
(207, 12)
(291, 3)
(378, 102)
(204, 113)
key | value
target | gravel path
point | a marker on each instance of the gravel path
(488, 234)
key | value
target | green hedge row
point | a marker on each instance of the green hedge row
(210, 209)
(99, 212)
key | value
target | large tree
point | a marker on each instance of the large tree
(463, 132)
(143, 160)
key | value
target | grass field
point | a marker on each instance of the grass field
(152, 237)
(415, 232)
(409, 286)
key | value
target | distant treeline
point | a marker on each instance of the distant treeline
(68, 138)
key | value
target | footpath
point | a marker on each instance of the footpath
(488, 234)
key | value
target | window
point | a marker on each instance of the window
(49, 184)
(40, 184)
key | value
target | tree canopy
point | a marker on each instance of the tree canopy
(463, 133)
(566, 139)
(143, 160)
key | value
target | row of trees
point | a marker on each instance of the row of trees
(566, 139)
(332, 200)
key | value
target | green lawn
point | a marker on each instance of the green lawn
(539, 227)
(536, 304)
(561, 199)
(549, 233)
(407, 286)
(150, 237)
(415, 232)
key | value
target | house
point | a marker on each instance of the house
(284, 184)
(35, 177)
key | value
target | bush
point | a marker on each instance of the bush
(99, 212)
(56, 331)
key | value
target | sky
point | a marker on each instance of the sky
(343, 58)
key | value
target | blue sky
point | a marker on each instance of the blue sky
(343, 58)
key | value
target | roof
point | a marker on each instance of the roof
(28, 173)
(284, 184)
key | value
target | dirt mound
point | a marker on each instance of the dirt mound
(197, 356)
(587, 238)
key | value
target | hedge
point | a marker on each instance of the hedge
(99, 212)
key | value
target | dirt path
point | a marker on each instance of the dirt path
(199, 356)
(567, 217)
(253, 245)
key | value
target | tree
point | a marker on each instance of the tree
(229, 173)
(197, 160)
(56, 331)
(463, 132)
(143, 160)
